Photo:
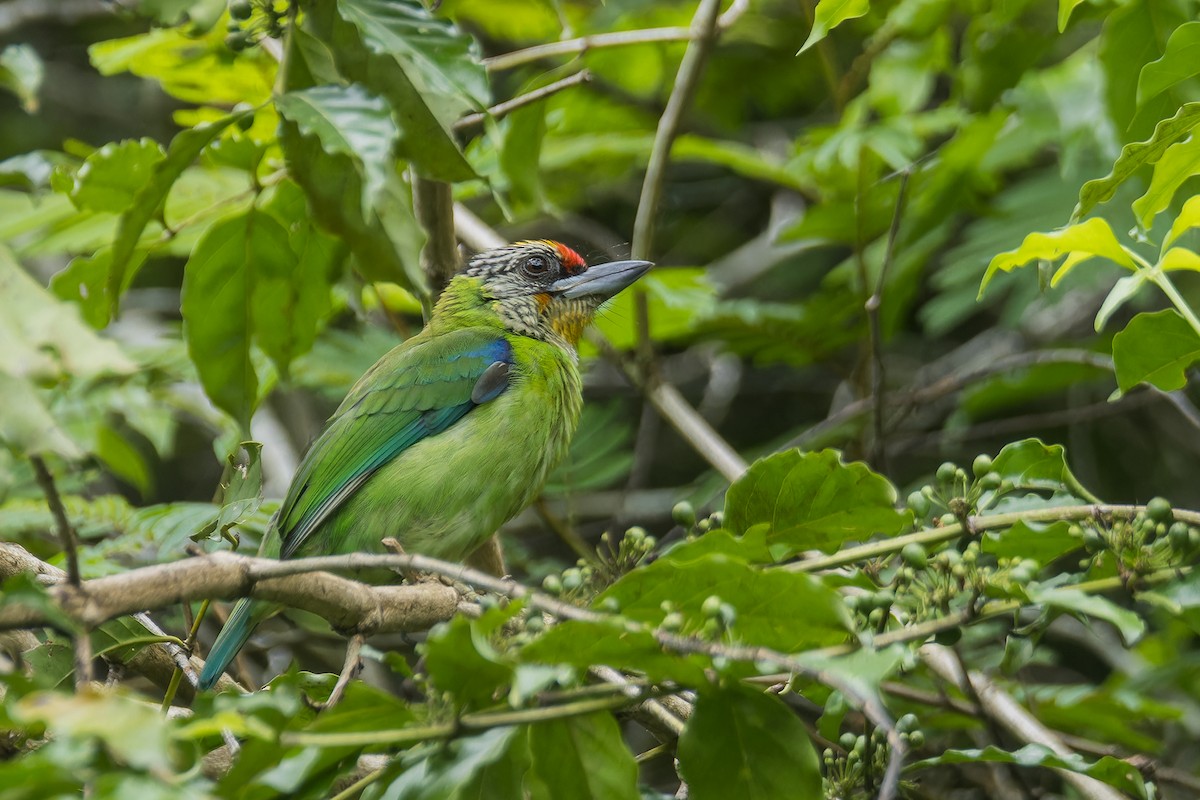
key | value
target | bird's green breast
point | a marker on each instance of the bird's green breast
(446, 494)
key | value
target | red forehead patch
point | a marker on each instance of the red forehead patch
(572, 262)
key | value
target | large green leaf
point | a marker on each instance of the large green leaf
(463, 662)
(742, 743)
(584, 644)
(427, 70)
(350, 121)
(831, 13)
(452, 772)
(1180, 162)
(1112, 771)
(786, 610)
(1033, 464)
(813, 501)
(1157, 349)
(1180, 62)
(218, 305)
(581, 757)
(1064, 598)
(184, 149)
(44, 337)
(1077, 242)
(112, 176)
(1136, 155)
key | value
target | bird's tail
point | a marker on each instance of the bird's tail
(242, 621)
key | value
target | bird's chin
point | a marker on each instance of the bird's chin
(570, 323)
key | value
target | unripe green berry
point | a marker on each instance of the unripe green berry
(1159, 509)
(919, 504)
(907, 723)
(240, 9)
(552, 584)
(916, 739)
(990, 481)
(949, 519)
(847, 740)
(635, 534)
(673, 621)
(1177, 536)
(717, 519)
(684, 514)
(534, 622)
(982, 465)
(572, 579)
(914, 555)
(945, 473)
(711, 606)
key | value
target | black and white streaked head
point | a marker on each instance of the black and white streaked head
(544, 289)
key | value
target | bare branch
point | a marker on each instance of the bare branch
(1000, 706)
(433, 205)
(501, 110)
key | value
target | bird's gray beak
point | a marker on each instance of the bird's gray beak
(602, 280)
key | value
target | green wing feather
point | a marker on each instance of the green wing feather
(419, 389)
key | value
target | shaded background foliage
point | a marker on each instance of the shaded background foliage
(208, 234)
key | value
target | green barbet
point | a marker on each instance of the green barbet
(453, 432)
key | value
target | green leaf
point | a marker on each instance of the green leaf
(1077, 242)
(44, 337)
(218, 305)
(184, 149)
(830, 14)
(21, 72)
(111, 177)
(1112, 771)
(452, 772)
(786, 610)
(1126, 287)
(1180, 62)
(1178, 258)
(1136, 155)
(462, 660)
(132, 730)
(1157, 349)
(350, 121)
(1042, 542)
(581, 757)
(428, 71)
(1189, 217)
(813, 501)
(1075, 601)
(1065, 7)
(1180, 162)
(742, 743)
(1033, 464)
(584, 644)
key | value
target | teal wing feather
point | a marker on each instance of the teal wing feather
(418, 390)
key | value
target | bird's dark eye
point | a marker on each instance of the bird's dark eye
(536, 266)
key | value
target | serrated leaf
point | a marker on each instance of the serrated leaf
(1112, 771)
(1179, 62)
(219, 286)
(1077, 242)
(1136, 155)
(110, 178)
(1157, 349)
(813, 501)
(581, 757)
(786, 610)
(831, 13)
(350, 121)
(184, 149)
(21, 72)
(742, 743)
(1180, 162)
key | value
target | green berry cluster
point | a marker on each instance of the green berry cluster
(859, 760)
(955, 494)
(250, 20)
(684, 515)
(1152, 539)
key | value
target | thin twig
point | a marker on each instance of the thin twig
(702, 34)
(80, 639)
(878, 452)
(433, 206)
(350, 668)
(501, 110)
(1000, 706)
